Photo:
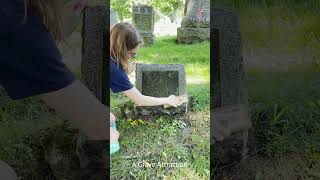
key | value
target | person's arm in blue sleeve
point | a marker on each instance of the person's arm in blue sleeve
(30, 65)
(120, 83)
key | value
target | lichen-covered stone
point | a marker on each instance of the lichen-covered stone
(143, 20)
(161, 80)
(189, 35)
(195, 29)
(229, 88)
(158, 110)
(228, 152)
(93, 155)
(148, 39)
(193, 23)
(94, 54)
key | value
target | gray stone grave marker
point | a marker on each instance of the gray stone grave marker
(161, 80)
(143, 20)
(194, 30)
(94, 54)
(229, 101)
(95, 39)
(89, 160)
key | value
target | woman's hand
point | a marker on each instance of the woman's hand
(132, 67)
(174, 101)
(79, 5)
(71, 15)
(114, 135)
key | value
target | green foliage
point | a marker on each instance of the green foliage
(170, 7)
(282, 25)
(123, 7)
(308, 4)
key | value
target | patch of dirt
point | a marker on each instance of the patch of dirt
(193, 116)
(289, 167)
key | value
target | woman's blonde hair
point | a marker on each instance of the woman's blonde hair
(50, 13)
(123, 38)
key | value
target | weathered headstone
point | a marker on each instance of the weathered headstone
(90, 159)
(94, 54)
(113, 18)
(229, 101)
(143, 20)
(161, 80)
(195, 26)
(93, 155)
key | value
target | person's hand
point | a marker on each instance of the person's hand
(132, 67)
(114, 135)
(112, 119)
(173, 101)
(78, 5)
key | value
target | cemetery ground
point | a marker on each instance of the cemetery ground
(181, 139)
(284, 102)
(281, 52)
(31, 133)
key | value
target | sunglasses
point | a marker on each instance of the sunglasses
(133, 55)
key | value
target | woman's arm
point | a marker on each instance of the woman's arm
(141, 100)
(78, 105)
(71, 15)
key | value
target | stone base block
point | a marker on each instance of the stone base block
(148, 39)
(187, 35)
(141, 111)
(231, 150)
(192, 22)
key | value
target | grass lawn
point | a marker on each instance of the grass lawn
(285, 109)
(147, 146)
(280, 46)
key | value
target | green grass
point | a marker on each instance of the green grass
(162, 141)
(197, 65)
(23, 117)
(284, 103)
(166, 51)
(285, 109)
(168, 140)
(289, 26)
(19, 121)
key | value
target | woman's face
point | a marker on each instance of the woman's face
(132, 53)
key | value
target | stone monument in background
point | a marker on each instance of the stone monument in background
(195, 26)
(143, 20)
(229, 101)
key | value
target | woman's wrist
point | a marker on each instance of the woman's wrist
(76, 6)
(166, 101)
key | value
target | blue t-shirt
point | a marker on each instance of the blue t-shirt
(30, 62)
(118, 78)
